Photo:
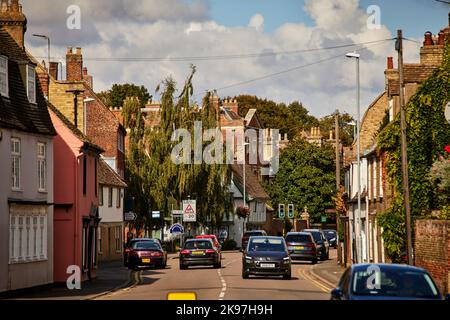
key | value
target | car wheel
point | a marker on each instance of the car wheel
(287, 276)
(245, 275)
(314, 261)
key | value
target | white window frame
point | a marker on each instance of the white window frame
(42, 166)
(4, 74)
(31, 83)
(28, 234)
(15, 164)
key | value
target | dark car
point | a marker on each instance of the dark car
(266, 256)
(146, 253)
(301, 246)
(322, 245)
(385, 282)
(200, 252)
(213, 237)
(249, 234)
(332, 237)
(128, 246)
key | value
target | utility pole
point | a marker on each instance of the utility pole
(405, 177)
(338, 158)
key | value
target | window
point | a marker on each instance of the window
(15, 165)
(4, 90)
(118, 198)
(28, 234)
(31, 88)
(118, 234)
(120, 142)
(110, 197)
(42, 167)
(100, 196)
(84, 174)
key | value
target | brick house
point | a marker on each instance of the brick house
(26, 162)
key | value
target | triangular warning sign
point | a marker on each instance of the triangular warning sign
(189, 209)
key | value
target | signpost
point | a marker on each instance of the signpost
(156, 214)
(189, 210)
(177, 213)
(130, 216)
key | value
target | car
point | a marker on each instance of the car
(127, 247)
(266, 256)
(332, 237)
(386, 282)
(322, 245)
(200, 252)
(301, 246)
(212, 237)
(249, 234)
(146, 253)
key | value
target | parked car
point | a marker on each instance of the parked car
(249, 234)
(266, 256)
(301, 246)
(332, 237)
(213, 238)
(146, 253)
(200, 252)
(128, 246)
(386, 282)
(322, 245)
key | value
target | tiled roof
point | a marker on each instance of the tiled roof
(253, 187)
(16, 112)
(108, 177)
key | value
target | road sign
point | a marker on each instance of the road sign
(291, 211)
(156, 214)
(130, 216)
(176, 229)
(281, 212)
(176, 213)
(324, 219)
(447, 112)
(189, 210)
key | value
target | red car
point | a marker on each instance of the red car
(146, 253)
(212, 237)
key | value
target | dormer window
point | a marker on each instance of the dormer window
(31, 84)
(4, 90)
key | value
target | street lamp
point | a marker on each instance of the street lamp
(357, 56)
(48, 48)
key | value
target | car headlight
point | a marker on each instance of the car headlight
(334, 239)
(287, 260)
(248, 258)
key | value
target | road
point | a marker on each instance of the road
(223, 284)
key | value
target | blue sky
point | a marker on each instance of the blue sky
(413, 16)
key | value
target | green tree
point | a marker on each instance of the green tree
(328, 123)
(306, 177)
(116, 96)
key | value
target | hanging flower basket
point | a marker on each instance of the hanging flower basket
(242, 212)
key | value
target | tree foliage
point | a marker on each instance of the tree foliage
(306, 177)
(116, 96)
(427, 134)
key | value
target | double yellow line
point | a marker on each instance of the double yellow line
(322, 286)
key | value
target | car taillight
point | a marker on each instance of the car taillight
(210, 251)
(156, 254)
(289, 244)
(133, 253)
(185, 252)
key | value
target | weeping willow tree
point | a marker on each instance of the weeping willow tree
(156, 182)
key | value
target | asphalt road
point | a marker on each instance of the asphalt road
(222, 284)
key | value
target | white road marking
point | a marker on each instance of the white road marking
(224, 283)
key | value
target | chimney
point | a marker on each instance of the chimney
(88, 78)
(13, 20)
(441, 38)
(54, 70)
(231, 105)
(390, 63)
(43, 79)
(214, 102)
(428, 39)
(74, 64)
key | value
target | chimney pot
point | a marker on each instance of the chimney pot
(428, 39)
(441, 38)
(390, 63)
(79, 51)
(69, 50)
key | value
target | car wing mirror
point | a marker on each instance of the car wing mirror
(336, 293)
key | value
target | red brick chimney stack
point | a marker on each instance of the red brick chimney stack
(390, 63)
(13, 20)
(231, 105)
(54, 70)
(74, 64)
(441, 39)
(428, 39)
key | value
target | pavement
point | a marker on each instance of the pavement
(111, 276)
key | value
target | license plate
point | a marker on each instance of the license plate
(299, 248)
(146, 260)
(267, 265)
(197, 253)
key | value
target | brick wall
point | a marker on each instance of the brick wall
(432, 250)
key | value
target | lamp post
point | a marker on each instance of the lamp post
(244, 144)
(48, 47)
(354, 55)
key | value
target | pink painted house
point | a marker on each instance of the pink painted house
(76, 215)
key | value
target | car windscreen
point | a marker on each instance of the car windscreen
(298, 238)
(330, 234)
(316, 236)
(146, 245)
(393, 283)
(257, 245)
(198, 245)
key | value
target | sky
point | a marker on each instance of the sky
(282, 30)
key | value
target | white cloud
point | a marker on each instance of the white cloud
(184, 29)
